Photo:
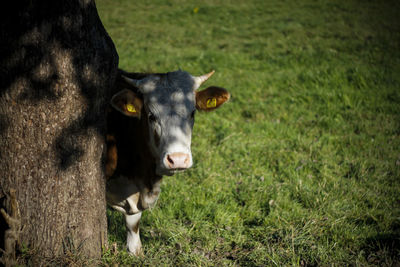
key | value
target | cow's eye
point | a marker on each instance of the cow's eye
(192, 114)
(152, 118)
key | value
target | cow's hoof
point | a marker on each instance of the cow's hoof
(137, 252)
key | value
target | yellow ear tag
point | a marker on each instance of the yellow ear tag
(130, 108)
(212, 102)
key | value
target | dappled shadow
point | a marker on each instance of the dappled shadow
(35, 37)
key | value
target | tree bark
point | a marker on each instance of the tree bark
(57, 69)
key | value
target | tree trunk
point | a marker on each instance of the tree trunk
(57, 68)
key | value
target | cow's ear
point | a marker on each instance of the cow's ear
(211, 98)
(127, 102)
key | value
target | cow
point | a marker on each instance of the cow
(149, 134)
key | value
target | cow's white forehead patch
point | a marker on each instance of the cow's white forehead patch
(171, 82)
(171, 91)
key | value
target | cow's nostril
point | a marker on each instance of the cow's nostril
(170, 161)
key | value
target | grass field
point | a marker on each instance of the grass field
(302, 167)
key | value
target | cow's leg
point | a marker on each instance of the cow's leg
(133, 238)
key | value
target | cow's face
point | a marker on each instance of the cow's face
(168, 103)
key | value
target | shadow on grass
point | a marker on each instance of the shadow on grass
(383, 249)
(116, 227)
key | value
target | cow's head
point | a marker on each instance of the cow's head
(168, 102)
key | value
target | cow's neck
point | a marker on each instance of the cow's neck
(135, 160)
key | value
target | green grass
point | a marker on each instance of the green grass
(302, 167)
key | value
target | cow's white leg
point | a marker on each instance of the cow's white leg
(133, 238)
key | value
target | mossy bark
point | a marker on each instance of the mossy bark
(57, 69)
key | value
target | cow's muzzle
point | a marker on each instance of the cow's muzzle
(177, 161)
